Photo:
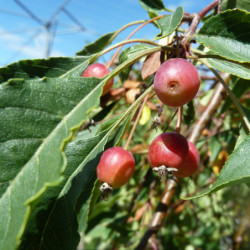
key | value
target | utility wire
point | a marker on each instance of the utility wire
(28, 11)
(50, 25)
(74, 19)
(14, 13)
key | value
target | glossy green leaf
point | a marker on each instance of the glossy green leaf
(78, 186)
(76, 152)
(152, 5)
(97, 45)
(235, 171)
(40, 114)
(227, 34)
(38, 68)
(241, 70)
(170, 23)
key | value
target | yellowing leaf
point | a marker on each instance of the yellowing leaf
(146, 112)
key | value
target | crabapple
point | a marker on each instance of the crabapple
(191, 164)
(168, 152)
(116, 166)
(176, 82)
(98, 70)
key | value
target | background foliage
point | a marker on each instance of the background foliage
(50, 197)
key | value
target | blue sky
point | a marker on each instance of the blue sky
(23, 37)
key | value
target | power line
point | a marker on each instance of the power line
(31, 14)
(74, 19)
(14, 13)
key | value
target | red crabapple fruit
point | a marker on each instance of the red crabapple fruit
(190, 166)
(98, 70)
(168, 152)
(115, 168)
(176, 82)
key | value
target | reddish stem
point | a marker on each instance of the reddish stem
(196, 20)
(138, 28)
(136, 122)
(178, 125)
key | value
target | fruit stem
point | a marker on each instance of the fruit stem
(138, 28)
(179, 119)
(124, 27)
(172, 118)
(136, 122)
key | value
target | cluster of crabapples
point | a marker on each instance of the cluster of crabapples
(176, 82)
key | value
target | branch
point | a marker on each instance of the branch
(172, 184)
(138, 28)
(196, 20)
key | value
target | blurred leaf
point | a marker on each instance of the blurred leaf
(188, 112)
(215, 147)
(239, 88)
(170, 23)
(229, 41)
(240, 4)
(206, 96)
(152, 5)
(97, 45)
(146, 113)
(235, 171)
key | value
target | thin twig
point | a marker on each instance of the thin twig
(136, 122)
(138, 28)
(179, 119)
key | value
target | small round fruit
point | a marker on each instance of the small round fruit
(176, 82)
(98, 70)
(169, 150)
(191, 165)
(116, 166)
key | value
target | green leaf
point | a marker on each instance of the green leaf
(80, 182)
(227, 34)
(235, 171)
(242, 135)
(152, 5)
(170, 23)
(241, 70)
(76, 151)
(96, 46)
(188, 112)
(128, 54)
(40, 114)
(215, 147)
(240, 4)
(38, 68)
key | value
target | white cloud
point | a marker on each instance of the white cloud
(12, 44)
